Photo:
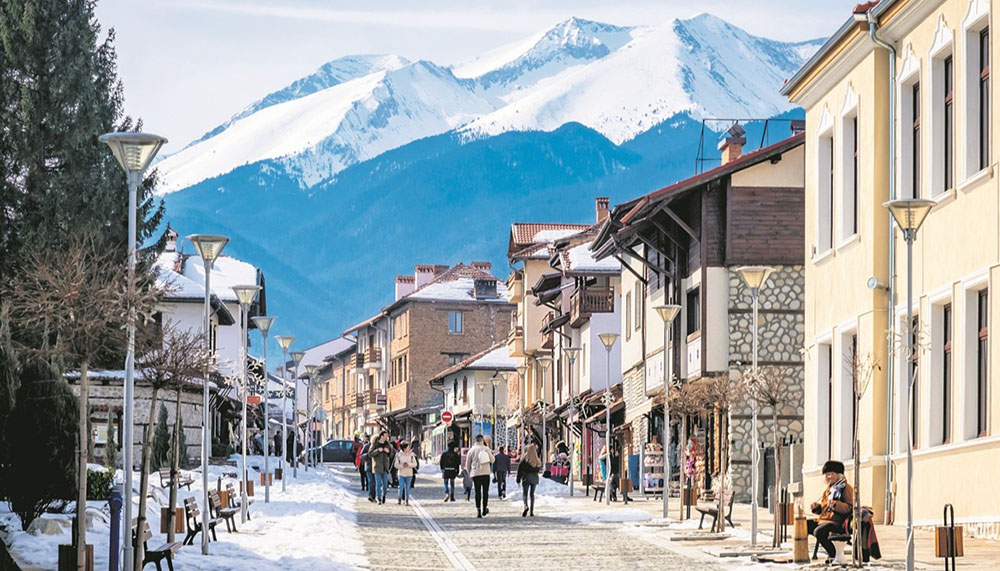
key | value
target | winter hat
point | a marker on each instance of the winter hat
(833, 466)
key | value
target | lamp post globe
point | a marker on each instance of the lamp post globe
(310, 372)
(264, 324)
(284, 341)
(571, 354)
(545, 363)
(245, 295)
(667, 313)
(297, 357)
(209, 248)
(608, 339)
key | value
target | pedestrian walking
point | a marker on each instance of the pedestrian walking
(415, 449)
(366, 461)
(360, 461)
(479, 463)
(393, 474)
(834, 507)
(450, 463)
(382, 456)
(405, 462)
(501, 467)
(467, 483)
(527, 476)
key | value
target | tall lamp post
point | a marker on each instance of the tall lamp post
(667, 313)
(608, 339)
(496, 382)
(245, 294)
(909, 214)
(284, 341)
(544, 362)
(134, 152)
(264, 324)
(297, 357)
(311, 372)
(754, 277)
(571, 354)
(522, 378)
(209, 247)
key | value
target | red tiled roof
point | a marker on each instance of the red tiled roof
(524, 233)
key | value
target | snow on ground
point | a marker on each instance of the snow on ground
(310, 526)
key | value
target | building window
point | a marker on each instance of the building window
(949, 124)
(455, 358)
(824, 212)
(982, 361)
(455, 322)
(694, 311)
(628, 316)
(639, 299)
(946, 377)
(454, 394)
(914, 374)
(914, 149)
(824, 402)
(984, 98)
(853, 379)
(465, 390)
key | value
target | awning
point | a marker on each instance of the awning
(546, 282)
(615, 406)
(439, 430)
(555, 323)
(635, 412)
(543, 297)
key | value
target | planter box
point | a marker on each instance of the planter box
(249, 484)
(266, 479)
(278, 473)
(224, 498)
(690, 496)
(178, 520)
(67, 558)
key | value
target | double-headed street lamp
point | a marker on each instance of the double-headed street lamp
(545, 362)
(209, 247)
(134, 152)
(667, 313)
(522, 379)
(754, 277)
(297, 357)
(264, 324)
(245, 294)
(571, 354)
(608, 339)
(284, 341)
(909, 214)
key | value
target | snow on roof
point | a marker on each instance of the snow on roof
(580, 259)
(226, 273)
(549, 236)
(494, 358)
(460, 289)
(314, 355)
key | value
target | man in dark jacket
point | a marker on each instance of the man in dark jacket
(382, 455)
(450, 463)
(501, 467)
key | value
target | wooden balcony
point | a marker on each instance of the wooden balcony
(356, 361)
(374, 398)
(549, 337)
(515, 341)
(588, 301)
(358, 399)
(515, 287)
(373, 357)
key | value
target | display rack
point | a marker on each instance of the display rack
(652, 469)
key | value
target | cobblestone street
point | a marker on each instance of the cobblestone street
(431, 534)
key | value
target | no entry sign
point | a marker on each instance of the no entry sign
(447, 417)
(253, 399)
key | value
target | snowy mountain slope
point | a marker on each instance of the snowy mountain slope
(321, 133)
(517, 67)
(329, 74)
(703, 66)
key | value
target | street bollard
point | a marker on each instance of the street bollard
(115, 502)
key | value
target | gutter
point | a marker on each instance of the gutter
(890, 372)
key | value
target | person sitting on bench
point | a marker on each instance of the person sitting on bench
(833, 509)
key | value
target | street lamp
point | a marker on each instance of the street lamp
(297, 357)
(667, 313)
(522, 372)
(609, 341)
(571, 354)
(480, 404)
(284, 341)
(754, 277)
(909, 214)
(496, 382)
(209, 247)
(544, 362)
(134, 152)
(311, 372)
(245, 294)
(264, 325)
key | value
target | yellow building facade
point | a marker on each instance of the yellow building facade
(910, 118)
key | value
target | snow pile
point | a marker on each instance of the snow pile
(295, 531)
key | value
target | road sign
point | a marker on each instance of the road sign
(253, 399)
(447, 417)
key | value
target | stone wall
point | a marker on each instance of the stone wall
(781, 325)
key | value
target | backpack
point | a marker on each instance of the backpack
(483, 457)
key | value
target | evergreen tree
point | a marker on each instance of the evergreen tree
(8, 386)
(161, 442)
(111, 445)
(183, 451)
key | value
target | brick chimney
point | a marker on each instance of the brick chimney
(482, 266)
(404, 286)
(422, 274)
(731, 143)
(601, 206)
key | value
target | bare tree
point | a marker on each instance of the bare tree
(718, 395)
(862, 369)
(74, 303)
(179, 358)
(770, 388)
(686, 400)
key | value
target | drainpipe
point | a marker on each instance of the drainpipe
(890, 370)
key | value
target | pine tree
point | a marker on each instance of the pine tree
(161, 442)
(185, 460)
(110, 445)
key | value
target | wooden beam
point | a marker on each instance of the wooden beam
(673, 215)
(629, 268)
(651, 265)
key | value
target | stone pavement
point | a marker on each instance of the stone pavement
(432, 534)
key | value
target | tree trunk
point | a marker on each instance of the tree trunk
(81, 496)
(147, 449)
(175, 468)
(682, 456)
(720, 521)
(776, 495)
(856, 444)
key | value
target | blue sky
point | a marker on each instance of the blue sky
(189, 65)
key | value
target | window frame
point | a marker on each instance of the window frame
(947, 383)
(948, 119)
(984, 98)
(982, 364)
(693, 311)
(915, 140)
(456, 324)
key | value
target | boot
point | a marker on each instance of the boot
(479, 514)
(525, 512)
(452, 498)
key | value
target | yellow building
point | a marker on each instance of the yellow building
(900, 110)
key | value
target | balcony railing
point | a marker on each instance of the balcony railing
(374, 397)
(515, 341)
(356, 361)
(549, 337)
(515, 287)
(359, 400)
(373, 357)
(588, 301)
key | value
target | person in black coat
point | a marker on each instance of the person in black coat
(450, 462)
(501, 467)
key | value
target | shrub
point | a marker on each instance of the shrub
(160, 456)
(99, 483)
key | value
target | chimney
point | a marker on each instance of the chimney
(485, 288)
(601, 205)
(171, 240)
(422, 274)
(404, 286)
(731, 143)
(482, 266)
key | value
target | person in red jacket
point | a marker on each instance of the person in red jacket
(359, 448)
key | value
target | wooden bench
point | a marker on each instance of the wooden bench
(154, 556)
(222, 512)
(193, 520)
(182, 481)
(236, 502)
(840, 540)
(712, 509)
